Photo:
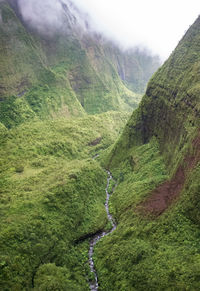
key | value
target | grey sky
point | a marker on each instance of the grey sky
(157, 24)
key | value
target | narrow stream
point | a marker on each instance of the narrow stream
(94, 285)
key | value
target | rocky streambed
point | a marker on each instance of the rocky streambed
(94, 284)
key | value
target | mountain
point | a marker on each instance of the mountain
(157, 164)
(66, 92)
(53, 64)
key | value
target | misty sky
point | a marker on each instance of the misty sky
(157, 24)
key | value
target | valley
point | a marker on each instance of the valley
(99, 171)
(97, 237)
(52, 195)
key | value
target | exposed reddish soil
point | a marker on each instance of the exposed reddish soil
(162, 197)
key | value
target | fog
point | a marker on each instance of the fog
(42, 14)
(157, 25)
(49, 16)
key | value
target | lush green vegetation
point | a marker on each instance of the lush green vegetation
(47, 75)
(160, 142)
(52, 190)
(145, 253)
(52, 195)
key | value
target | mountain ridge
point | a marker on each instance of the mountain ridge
(74, 63)
(156, 161)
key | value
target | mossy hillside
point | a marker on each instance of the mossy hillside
(154, 255)
(52, 196)
(91, 74)
(76, 138)
(48, 210)
(162, 135)
(24, 72)
(21, 60)
(76, 67)
(29, 88)
(134, 66)
(169, 109)
(104, 65)
(145, 253)
(26, 60)
(137, 175)
(41, 102)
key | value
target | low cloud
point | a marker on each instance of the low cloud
(44, 15)
(158, 25)
(154, 24)
(49, 16)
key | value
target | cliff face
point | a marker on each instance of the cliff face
(157, 163)
(85, 72)
(172, 97)
(169, 109)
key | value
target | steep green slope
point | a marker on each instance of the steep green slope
(156, 203)
(63, 72)
(134, 66)
(28, 87)
(170, 108)
(91, 75)
(52, 189)
(21, 61)
(52, 195)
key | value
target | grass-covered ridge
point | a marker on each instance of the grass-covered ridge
(150, 254)
(169, 109)
(158, 155)
(146, 252)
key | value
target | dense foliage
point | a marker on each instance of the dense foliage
(145, 253)
(52, 195)
(52, 182)
(151, 249)
(66, 73)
